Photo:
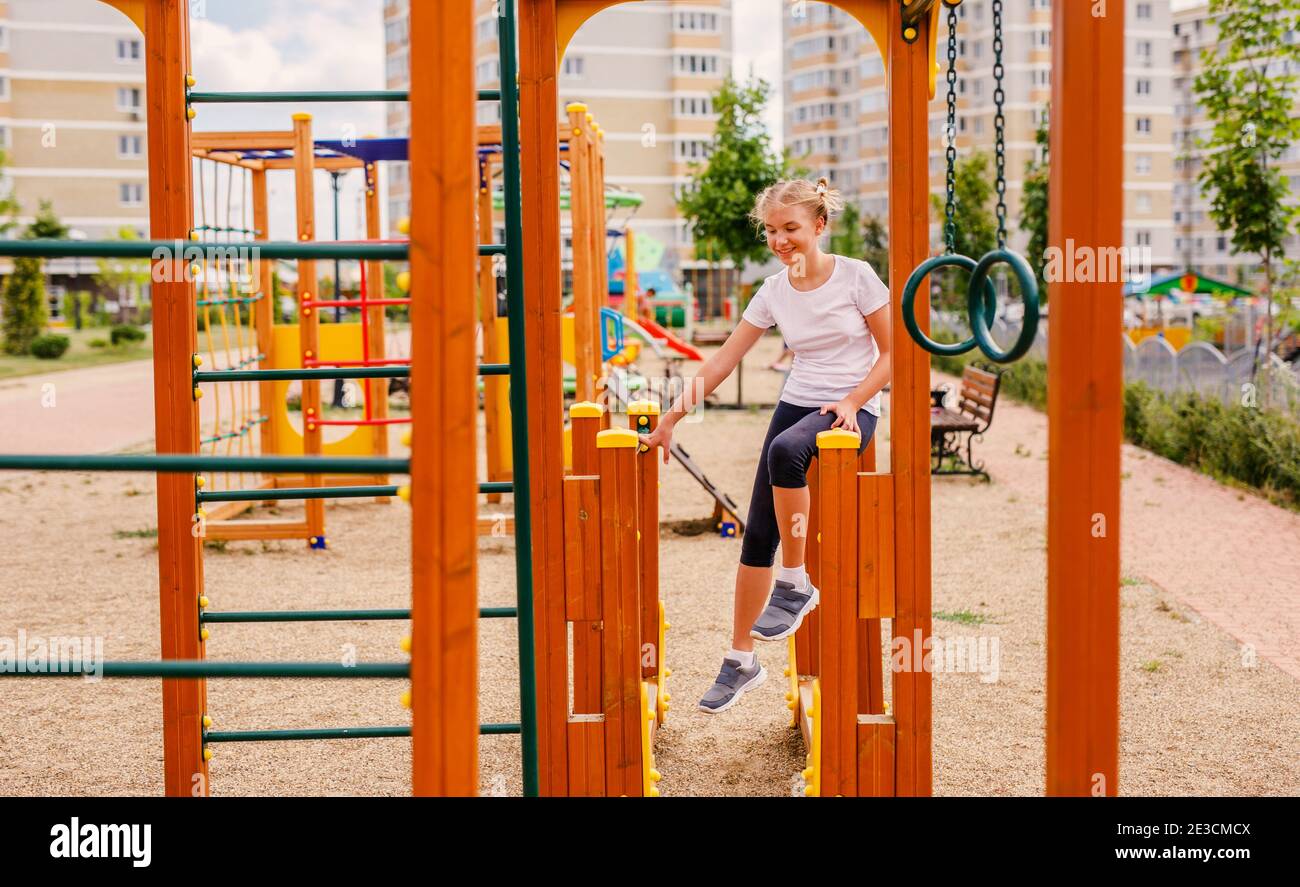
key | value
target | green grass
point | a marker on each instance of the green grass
(962, 617)
(147, 533)
(1152, 665)
(79, 355)
(1129, 580)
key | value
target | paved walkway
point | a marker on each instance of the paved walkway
(1228, 554)
(93, 410)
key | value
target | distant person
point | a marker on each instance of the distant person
(819, 301)
(646, 305)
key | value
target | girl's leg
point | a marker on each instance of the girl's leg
(752, 587)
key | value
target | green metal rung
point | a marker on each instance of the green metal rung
(193, 250)
(495, 486)
(357, 492)
(201, 668)
(492, 249)
(326, 95)
(290, 735)
(494, 369)
(304, 616)
(497, 729)
(489, 95)
(176, 464)
(334, 615)
(388, 372)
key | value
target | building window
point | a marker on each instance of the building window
(1142, 204)
(697, 65)
(130, 194)
(1142, 165)
(1144, 12)
(574, 66)
(128, 98)
(130, 147)
(697, 106)
(1144, 125)
(688, 150)
(1143, 238)
(700, 22)
(1143, 86)
(4, 38)
(4, 89)
(488, 71)
(128, 51)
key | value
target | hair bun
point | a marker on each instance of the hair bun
(823, 185)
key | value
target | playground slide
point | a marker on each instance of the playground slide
(671, 341)
(723, 503)
(655, 342)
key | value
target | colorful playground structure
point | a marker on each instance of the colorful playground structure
(586, 541)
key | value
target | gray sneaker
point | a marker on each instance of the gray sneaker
(731, 684)
(784, 611)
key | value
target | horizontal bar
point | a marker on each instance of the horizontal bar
(491, 249)
(294, 493)
(494, 369)
(323, 733)
(336, 615)
(387, 361)
(329, 95)
(498, 613)
(497, 729)
(177, 464)
(194, 250)
(352, 303)
(199, 668)
(383, 372)
(489, 95)
(492, 486)
(304, 616)
(364, 423)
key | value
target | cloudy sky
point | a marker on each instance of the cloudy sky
(339, 44)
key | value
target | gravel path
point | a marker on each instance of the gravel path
(78, 569)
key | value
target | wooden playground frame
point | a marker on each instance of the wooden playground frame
(282, 346)
(874, 557)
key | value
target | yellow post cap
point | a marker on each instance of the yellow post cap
(838, 439)
(585, 409)
(404, 225)
(643, 408)
(576, 108)
(404, 281)
(302, 115)
(615, 438)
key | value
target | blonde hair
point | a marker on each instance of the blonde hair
(819, 198)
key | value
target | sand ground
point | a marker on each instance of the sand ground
(1209, 705)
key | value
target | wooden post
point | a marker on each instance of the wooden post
(304, 164)
(1085, 407)
(376, 390)
(265, 312)
(631, 290)
(600, 242)
(909, 243)
(586, 317)
(643, 418)
(584, 730)
(620, 612)
(494, 387)
(585, 423)
(444, 598)
(538, 74)
(176, 415)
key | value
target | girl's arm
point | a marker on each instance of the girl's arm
(717, 368)
(846, 411)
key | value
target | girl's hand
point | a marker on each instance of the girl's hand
(846, 415)
(662, 436)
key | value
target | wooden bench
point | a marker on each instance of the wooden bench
(971, 418)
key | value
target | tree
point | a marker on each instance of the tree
(977, 230)
(25, 307)
(1246, 90)
(864, 238)
(1034, 203)
(741, 163)
(126, 277)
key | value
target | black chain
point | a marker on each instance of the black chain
(950, 227)
(1000, 124)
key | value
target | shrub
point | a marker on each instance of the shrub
(98, 343)
(50, 347)
(124, 333)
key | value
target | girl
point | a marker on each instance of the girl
(834, 314)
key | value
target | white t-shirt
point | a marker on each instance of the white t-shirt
(832, 344)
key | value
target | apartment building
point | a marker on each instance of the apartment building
(836, 111)
(646, 70)
(1199, 245)
(72, 122)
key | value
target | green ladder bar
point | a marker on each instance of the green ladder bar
(335, 615)
(518, 393)
(203, 668)
(179, 464)
(320, 733)
(341, 95)
(359, 492)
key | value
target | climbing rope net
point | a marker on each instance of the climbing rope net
(227, 294)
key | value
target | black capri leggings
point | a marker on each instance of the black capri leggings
(788, 450)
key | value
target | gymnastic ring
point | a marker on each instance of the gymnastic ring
(909, 305)
(1028, 293)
